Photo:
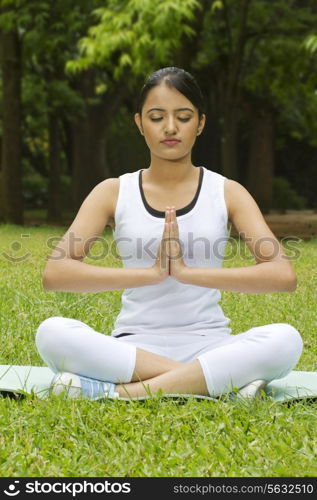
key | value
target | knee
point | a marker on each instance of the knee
(290, 340)
(47, 332)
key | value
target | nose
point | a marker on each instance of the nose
(170, 125)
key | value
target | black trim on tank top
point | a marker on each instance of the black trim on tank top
(181, 211)
(123, 335)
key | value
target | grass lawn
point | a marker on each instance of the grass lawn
(157, 437)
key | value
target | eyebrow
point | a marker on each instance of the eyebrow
(179, 109)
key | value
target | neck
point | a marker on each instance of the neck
(169, 172)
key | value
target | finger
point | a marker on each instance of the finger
(174, 224)
(165, 235)
(167, 220)
(173, 216)
(164, 238)
(172, 238)
(168, 214)
(164, 248)
(166, 223)
(165, 241)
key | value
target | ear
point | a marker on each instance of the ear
(138, 121)
(201, 124)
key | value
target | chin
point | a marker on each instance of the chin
(173, 156)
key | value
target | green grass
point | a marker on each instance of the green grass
(157, 437)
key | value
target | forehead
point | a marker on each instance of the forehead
(166, 97)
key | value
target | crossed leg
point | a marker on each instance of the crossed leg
(154, 372)
(266, 352)
(70, 345)
(261, 353)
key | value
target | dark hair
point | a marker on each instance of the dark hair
(178, 78)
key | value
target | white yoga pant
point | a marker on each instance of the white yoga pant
(265, 352)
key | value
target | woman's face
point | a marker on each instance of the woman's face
(169, 123)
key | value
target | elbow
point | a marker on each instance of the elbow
(56, 276)
(49, 278)
(287, 277)
(291, 283)
(46, 281)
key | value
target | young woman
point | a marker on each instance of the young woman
(171, 228)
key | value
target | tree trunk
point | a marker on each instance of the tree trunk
(229, 143)
(261, 158)
(1, 200)
(89, 134)
(89, 165)
(54, 213)
(11, 178)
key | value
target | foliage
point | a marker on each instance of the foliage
(285, 197)
(34, 190)
(124, 131)
(129, 36)
(253, 52)
(49, 32)
(310, 43)
(259, 44)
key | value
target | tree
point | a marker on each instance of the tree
(126, 44)
(11, 184)
(130, 41)
(47, 33)
(244, 53)
(68, 101)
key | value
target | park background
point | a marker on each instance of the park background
(71, 71)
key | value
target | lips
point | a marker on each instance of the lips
(171, 142)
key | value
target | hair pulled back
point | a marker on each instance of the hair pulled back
(178, 78)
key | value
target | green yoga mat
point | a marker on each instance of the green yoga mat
(19, 379)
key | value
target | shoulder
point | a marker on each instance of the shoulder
(106, 189)
(250, 223)
(110, 184)
(237, 198)
(244, 212)
(102, 199)
(107, 192)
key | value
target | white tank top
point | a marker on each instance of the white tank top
(171, 307)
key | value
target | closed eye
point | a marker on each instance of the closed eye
(159, 119)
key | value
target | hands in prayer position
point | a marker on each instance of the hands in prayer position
(169, 261)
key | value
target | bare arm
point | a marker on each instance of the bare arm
(272, 272)
(65, 269)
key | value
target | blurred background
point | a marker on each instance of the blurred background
(71, 72)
